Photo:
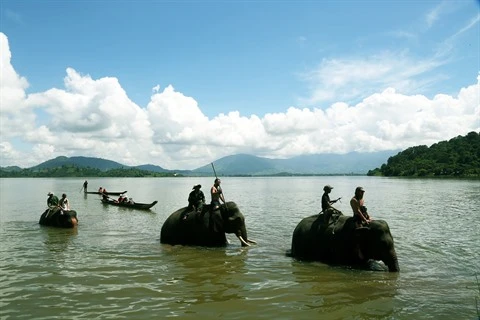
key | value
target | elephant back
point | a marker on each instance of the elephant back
(317, 239)
(59, 218)
(185, 227)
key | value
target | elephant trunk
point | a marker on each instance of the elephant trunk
(392, 262)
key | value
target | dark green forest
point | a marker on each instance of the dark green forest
(75, 171)
(457, 157)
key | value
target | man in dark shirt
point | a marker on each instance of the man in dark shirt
(52, 200)
(52, 203)
(196, 199)
(326, 202)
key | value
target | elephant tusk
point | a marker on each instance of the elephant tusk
(244, 243)
(251, 241)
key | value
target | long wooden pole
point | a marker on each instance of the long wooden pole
(214, 171)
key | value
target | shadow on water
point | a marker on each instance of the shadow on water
(206, 275)
(57, 240)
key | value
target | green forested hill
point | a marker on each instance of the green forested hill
(459, 157)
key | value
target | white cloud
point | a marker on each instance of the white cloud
(433, 15)
(351, 78)
(95, 117)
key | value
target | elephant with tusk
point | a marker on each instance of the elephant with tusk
(206, 228)
(336, 240)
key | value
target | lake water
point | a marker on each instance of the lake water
(114, 267)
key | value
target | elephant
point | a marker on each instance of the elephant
(335, 239)
(59, 218)
(205, 228)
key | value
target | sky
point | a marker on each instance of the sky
(180, 84)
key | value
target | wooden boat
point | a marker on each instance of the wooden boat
(135, 205)
(117, 193)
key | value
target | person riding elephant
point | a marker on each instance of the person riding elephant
(335, 241)
(58, 214)
(207, 228)
(196, 200)
(216, 194)
(52, 204)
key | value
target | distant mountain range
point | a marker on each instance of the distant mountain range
(243, 164)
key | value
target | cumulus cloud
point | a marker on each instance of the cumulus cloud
(95, 117)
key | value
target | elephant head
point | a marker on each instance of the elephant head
(206, 228)
(376, 242)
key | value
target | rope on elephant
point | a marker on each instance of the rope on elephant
(51, 211)
(335, 216)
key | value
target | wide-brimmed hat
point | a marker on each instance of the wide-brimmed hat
(327, 187)
(198, 186)
(359, 189)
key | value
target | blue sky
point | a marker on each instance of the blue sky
(200, 80)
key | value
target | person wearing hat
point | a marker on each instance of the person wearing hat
(326, 202)
(52, 200)
(196, 200)
(327, 208)
(360, 214)
(52, 203)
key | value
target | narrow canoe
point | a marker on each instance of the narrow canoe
(108, 192)
(136, 205)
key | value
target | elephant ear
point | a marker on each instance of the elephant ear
(361, 233)
(217, 220)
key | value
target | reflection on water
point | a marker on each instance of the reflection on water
(113, 266)
(57, 240)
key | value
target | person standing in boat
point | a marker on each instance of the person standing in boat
(64, 203)
(85, 186)
(216, 194)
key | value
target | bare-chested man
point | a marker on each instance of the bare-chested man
(217, 195)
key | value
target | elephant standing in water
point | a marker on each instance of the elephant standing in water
(338, 241)
(59, 218)
(206, 228)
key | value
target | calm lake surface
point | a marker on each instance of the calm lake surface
(114, 267)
